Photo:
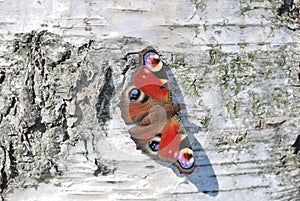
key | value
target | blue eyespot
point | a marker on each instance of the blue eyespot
(134, 94)
(154, 145)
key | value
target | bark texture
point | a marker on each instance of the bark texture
(235, 68)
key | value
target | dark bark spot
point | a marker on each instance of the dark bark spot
(297, 145)
(287, 4)
(104, 98)
(2, 76)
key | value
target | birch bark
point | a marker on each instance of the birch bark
(235, 67)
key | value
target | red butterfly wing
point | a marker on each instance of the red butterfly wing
(146, 81)
(170, 140)
(175, 147)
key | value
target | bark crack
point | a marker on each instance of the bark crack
(104, 98)
(3, 179)
(11, 106)
(2, 76)
(13, 162)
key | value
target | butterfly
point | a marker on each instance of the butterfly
(147, 103)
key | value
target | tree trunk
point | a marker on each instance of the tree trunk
(234, 69)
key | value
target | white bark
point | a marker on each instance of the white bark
(234, 65)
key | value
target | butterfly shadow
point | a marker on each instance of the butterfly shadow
(203, 177)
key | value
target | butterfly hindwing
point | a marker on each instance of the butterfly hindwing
(175, 146)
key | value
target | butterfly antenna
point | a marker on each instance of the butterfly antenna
(129, 53)
(126, 59)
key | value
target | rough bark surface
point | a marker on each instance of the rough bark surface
(235, 68)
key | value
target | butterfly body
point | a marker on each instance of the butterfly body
(147, 103)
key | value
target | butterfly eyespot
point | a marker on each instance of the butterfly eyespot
(154, 143)
(152, 61)
(134, 94)
(186, 158)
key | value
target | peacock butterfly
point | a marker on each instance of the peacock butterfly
(147, 103)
